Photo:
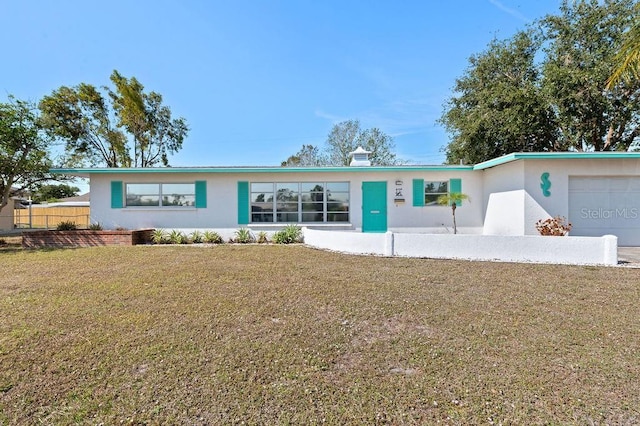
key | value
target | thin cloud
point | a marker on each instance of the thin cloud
(331, 117)
(510, 11)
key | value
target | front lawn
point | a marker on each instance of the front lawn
(291, 335)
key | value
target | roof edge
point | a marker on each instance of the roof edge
(554, 156)
(272, 169)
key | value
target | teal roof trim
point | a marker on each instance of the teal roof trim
(84, 172)
(88, 171)
(555, 156)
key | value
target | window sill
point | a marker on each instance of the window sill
(158, 209)
(301, 225)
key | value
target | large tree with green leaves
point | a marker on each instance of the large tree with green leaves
(119, 127)
(24, 158)
(343, 139)
(545, 89)
(499, 106)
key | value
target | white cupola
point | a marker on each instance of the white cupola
(360, 157)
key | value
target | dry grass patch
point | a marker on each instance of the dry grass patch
(284, 335)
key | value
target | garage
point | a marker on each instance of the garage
(601, 205)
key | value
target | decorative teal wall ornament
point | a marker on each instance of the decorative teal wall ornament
(545, 184)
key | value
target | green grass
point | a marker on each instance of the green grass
(290, 335)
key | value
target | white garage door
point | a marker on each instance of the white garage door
(606, 205)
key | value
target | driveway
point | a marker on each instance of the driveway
(629, 256)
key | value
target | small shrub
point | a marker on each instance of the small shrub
(212, 237)
(67, 225)
(262, 237)
(196, 237)
(95, 227)
(3, 242)
(121, 228)
(243, 236)
(159, 236)
(554, 226)
(177, 237)
(288, 235)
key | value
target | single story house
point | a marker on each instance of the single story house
(598, 192)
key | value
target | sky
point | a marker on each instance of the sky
(257, 79)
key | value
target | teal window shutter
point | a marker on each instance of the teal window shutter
(455, 185)
(116, 194)
(418, 192)
(243, 203)
(201, 194)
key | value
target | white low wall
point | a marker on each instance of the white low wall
(350, 241)
(527, 248)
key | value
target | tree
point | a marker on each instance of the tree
(105, 130)
(154, 132)
(544, 89)
(309, 155)
(582, 43)
(452, 199)
(81, 117)
(499, 107)
(24, 159)
(346, 136)
(50, 192)
(343, 139)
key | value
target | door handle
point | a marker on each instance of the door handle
(375, 211)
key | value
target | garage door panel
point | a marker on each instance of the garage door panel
(605, 205)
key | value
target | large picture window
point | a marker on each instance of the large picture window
(299, 202)
(160, 194)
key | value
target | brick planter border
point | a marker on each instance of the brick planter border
(85, 238)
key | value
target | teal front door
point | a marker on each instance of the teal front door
(374, 206)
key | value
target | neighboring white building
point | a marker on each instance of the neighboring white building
(598, 192)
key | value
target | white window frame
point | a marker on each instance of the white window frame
(434, 195)
(272, 199)
(161, 195)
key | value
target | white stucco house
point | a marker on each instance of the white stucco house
(599, 193)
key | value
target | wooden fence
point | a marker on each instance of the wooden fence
(50, 217)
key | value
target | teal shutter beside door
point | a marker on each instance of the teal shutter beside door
(418, 192)
(201, 194)
(116, 194)
(243, 203)
(455, 185)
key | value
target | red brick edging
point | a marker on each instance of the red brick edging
(85, 238)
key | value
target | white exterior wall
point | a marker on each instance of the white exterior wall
(560, 172)
(515, 199)
(506, 199)
(222, 200)
(435, 219)
(221, 210)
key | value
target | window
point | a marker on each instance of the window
(433, 190)
(426, 193)
(160, 195)
(299, 202)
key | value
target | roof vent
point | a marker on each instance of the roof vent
(360, 157)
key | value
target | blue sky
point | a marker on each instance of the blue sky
(257, 79)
